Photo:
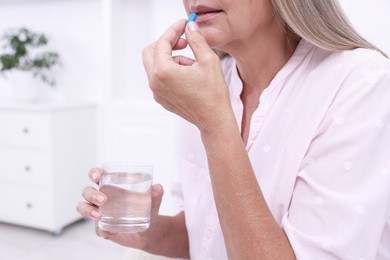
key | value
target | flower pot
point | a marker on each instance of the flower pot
(27, 89)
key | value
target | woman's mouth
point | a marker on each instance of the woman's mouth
(204, 13)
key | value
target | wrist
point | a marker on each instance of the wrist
(223, 130)
(169, 238)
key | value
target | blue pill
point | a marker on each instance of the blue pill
(192, 18)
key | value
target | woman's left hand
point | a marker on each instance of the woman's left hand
(193, 89)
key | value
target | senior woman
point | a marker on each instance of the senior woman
(284, 150)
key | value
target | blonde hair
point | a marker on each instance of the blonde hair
(321, 22)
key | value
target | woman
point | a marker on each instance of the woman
(285, 145)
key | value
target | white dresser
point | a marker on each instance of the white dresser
(46, 151)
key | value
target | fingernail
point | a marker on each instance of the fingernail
(100, 198)
(95, 214)
(193, 26)
(94, 175)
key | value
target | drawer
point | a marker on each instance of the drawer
(25, 166)
(25, 205)
(24, 128)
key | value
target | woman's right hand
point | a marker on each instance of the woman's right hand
(94, 199)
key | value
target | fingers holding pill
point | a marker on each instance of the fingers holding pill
(192, 89)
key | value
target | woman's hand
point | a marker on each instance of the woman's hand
(94, 199)
(193, 89)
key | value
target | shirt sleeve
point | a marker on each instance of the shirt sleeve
(340, 204)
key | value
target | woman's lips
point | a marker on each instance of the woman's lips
(204, 13)
(203, 17)
(202, 9)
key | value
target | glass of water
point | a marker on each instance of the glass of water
(128, 190)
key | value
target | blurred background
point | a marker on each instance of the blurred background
(100, 110)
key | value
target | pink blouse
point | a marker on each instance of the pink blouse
(319, 145)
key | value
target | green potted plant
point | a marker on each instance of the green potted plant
(25, 55)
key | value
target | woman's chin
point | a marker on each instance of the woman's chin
(214, 38)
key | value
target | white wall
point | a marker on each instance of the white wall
(371, 18)
(74, 29)
(142, 22)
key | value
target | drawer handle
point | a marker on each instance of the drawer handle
(26, 131)
(29, 205)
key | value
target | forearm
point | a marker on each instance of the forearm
(248, 226)
(172, 240)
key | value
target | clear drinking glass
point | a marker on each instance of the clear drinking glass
(128, 190)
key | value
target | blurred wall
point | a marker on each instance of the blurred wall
(74, 29)
(371, 19)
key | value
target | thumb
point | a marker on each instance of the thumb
(198, 43)
(157, 194)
